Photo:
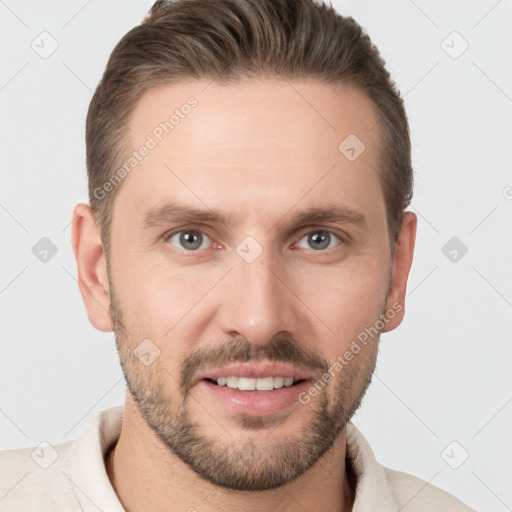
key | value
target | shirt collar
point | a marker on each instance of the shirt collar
(86, 468)
(373, 491)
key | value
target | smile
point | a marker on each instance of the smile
(255, 384)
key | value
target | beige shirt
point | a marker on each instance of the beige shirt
(72, 477)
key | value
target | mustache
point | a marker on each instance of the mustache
(239, 350)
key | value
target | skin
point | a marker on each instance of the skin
(259, 152)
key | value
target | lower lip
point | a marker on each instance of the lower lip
(255, 403)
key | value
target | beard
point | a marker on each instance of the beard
(242, 464)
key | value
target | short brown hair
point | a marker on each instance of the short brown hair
(229, 39)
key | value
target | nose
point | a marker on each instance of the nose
(258, 302)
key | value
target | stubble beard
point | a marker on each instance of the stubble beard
(242, 464)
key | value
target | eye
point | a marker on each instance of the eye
(191, 240)
(319, 240)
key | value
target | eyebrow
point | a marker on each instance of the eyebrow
(175, 212)
(338, 214)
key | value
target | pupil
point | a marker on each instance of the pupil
(191, 240)
(319, 240)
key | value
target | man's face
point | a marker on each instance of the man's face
(288, 265)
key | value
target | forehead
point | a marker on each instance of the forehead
(255, 145)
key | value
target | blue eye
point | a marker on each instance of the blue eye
(320, 240)
(189, 240)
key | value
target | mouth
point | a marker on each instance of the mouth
(268, 383)
(253, 389)
(255, 376)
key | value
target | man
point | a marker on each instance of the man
(247, 241)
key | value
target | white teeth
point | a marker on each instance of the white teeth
(278, 382)
(232, 382)
(246, 384)
(251, 384)
(265, 384)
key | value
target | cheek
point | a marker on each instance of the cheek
(159, 298)
(345, 299)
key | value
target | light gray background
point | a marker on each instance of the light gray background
(443, 376)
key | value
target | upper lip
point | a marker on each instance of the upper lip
(255, 370)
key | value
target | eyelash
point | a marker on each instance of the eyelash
(343, 239)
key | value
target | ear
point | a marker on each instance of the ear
(92, 267)
(401, 265)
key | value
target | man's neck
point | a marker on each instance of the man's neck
(147, 476)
